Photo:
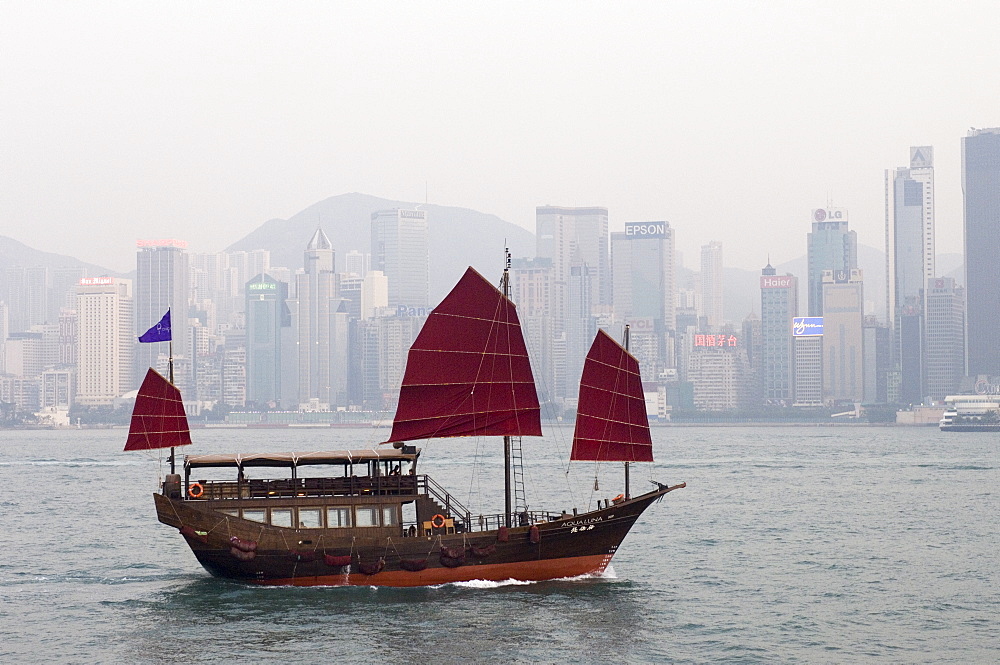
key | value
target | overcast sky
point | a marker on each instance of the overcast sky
(200, 121)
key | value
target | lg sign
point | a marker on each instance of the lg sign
(830, 214)
(646, 229)
(773, 282)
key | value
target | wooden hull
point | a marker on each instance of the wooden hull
(579, 545)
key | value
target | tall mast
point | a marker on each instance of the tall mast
(170, 377)
(627, 495)
(505, 288)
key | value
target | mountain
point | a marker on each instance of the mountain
(15, 253)
(457, 237)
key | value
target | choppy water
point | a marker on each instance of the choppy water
(789, 545)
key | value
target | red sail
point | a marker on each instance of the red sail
(468, 373)
(611, 422)
(158, 419)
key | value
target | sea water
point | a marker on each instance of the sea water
(788, 545)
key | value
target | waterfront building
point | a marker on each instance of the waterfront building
(316, 293)
(843, 319)
(945, 340)
(162, 281)
(267, 314)
(909, 237)
(105, 342)
(831, 246)
(711, 284)
(374, 293)
(718, 370)
(877, 361)
(400, 250)
(779, 304)
(981, 214)
(531, 291)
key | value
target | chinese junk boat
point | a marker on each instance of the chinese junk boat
(467, 374)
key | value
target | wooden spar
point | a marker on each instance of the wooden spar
(627, 494)
(505, 281)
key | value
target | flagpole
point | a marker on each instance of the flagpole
(170, 371)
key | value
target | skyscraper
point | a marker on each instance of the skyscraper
(266, 315)
(316, 293)
(909, 237)
(105, 341)
(711, 284)
(779, 304)
(945, 345)
(981, 189)
(400, 251)
(643, 291)
(832, 246)
(161, 283)
(843, 320)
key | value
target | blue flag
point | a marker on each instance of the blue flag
(160, 332)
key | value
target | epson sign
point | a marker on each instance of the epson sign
(646, 229)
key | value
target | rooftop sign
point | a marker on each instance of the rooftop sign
(807, 326)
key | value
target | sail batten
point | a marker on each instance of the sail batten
(158, 419)
(468, 372)
(611, 421)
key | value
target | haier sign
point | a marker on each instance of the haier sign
(807, 326)
(646, 229)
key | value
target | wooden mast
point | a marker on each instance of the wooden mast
(627, 494)
(505, 288)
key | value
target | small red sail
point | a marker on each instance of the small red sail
(158, 419)
(611, 422)
(468, 373)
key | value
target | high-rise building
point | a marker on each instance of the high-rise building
(981, 189)
(711, 284)
(266, 315)
(843, 320)
(106, 344)
(400, 251)
(316, 292)
(832, 246)
(356, 263)
(531, 289)
(162, 281)
(945, 338)
(374, 293)
(877, 361)
(909, 237)
(643, 287)
(779, 304)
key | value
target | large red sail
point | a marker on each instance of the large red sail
(468, 373)
(611, 422)
(158, 419)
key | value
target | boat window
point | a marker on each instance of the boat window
(367, 515)
(255, 515)
(230, 511)
(338, 516)
(310, 518)
(281, 516)
(390, 516)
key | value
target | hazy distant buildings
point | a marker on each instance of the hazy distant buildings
(909, 233)
(105, 340)
(843, 352)
(831, 246)
(267, 317)
(711, 284)
(400, 251)
(643, 288)
(779, 304)
(981, 189)
(162, 282)
(945, 339)
(315, 291)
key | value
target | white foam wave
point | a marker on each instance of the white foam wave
(484, 584)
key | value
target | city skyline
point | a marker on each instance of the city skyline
(180, 131)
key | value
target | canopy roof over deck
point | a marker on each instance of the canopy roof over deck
(407, 454)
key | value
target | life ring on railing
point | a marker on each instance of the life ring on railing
(196, 491)
(618, 499)
(438, 521)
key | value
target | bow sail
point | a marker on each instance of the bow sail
(468, 372)
(611, 422)
(158, 419)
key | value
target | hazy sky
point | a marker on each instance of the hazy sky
(731, 120)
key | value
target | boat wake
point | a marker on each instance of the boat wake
(608, 574)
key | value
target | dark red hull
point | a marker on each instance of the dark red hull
(578, 545)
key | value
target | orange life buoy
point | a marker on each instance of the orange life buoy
(196, 490)
(619, 498)
(437, 521)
